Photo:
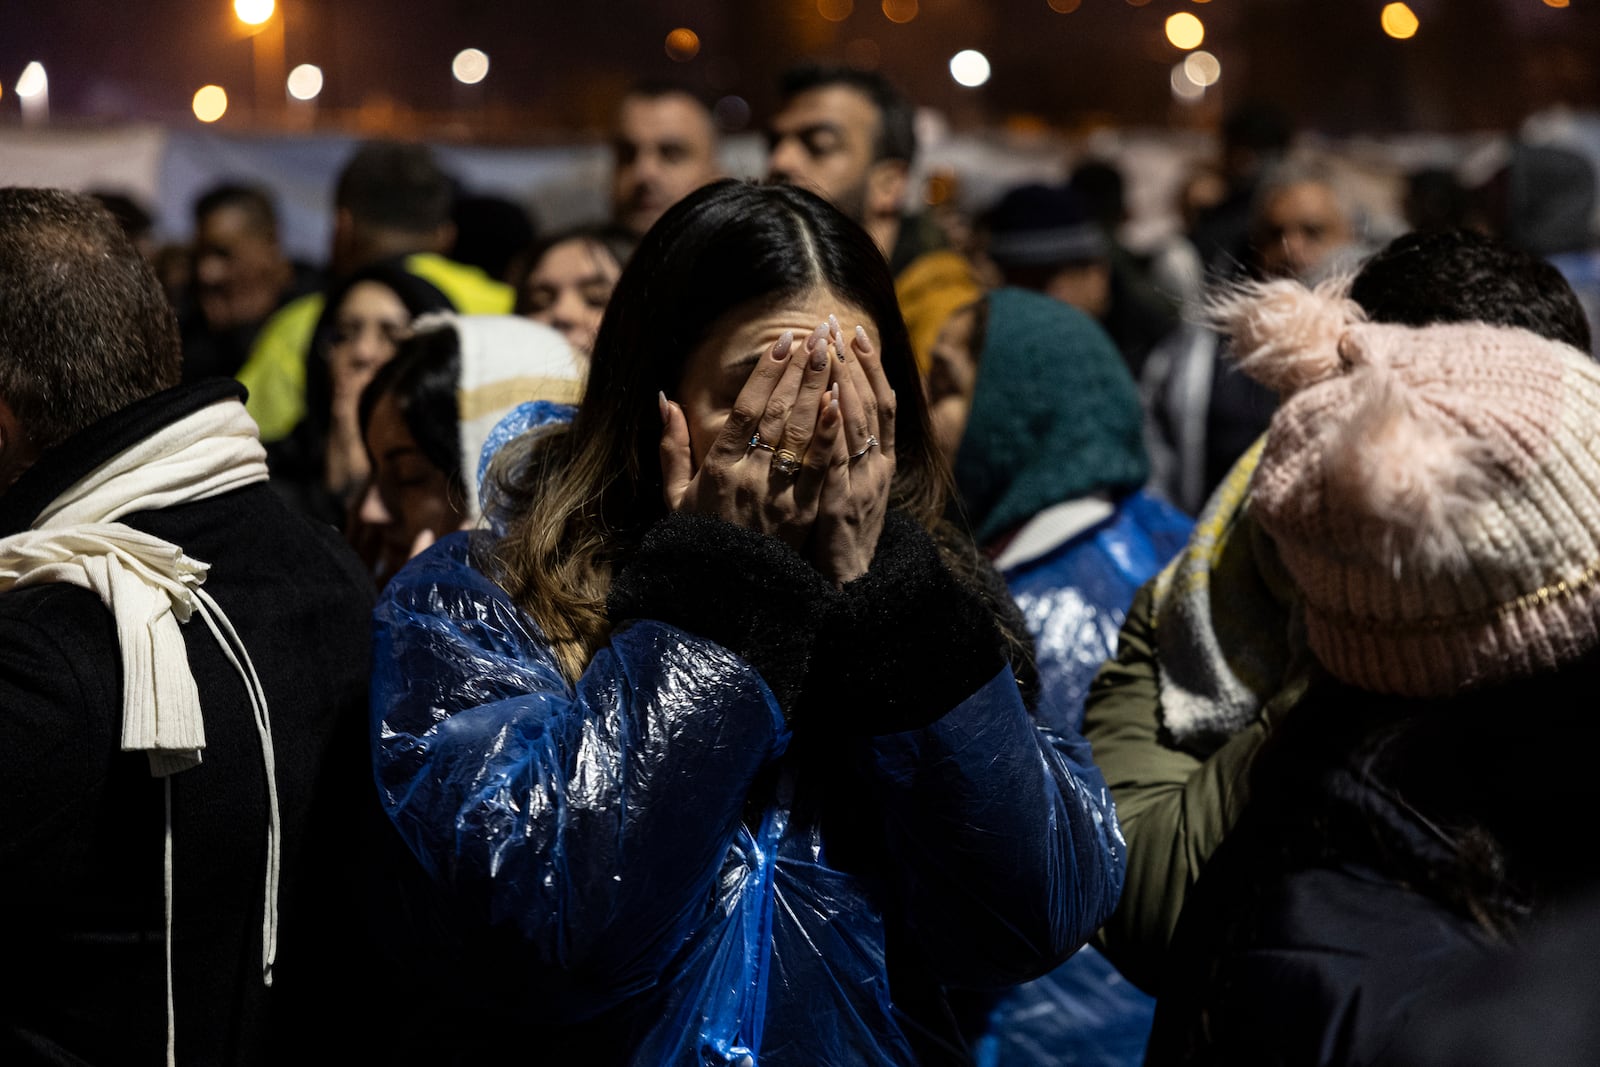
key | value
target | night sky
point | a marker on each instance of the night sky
(557, 68)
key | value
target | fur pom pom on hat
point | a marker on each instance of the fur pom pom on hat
(1434, 491)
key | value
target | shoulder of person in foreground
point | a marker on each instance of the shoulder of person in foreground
(1176, 803)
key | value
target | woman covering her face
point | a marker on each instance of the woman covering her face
(716, 745)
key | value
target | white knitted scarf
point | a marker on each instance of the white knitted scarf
(150, 587)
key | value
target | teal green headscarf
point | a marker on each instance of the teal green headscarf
(1055, 415)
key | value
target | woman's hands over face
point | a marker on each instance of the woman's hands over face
(772, 486)
(855, 493)
(781, 462)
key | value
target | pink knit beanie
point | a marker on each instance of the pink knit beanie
(1434, 491)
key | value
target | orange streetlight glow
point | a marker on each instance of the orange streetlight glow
(899, 10)
(1399, 21)
(1185, 31)
(835, 10)
(683, 45)
(254, 12)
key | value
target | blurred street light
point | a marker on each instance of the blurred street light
(305, 82)
(1202, 68)
(470, 66)
(683, 44)
(1399, 21)
(1185, 31)
(33, 87)
(210, 103)
(969, 68)
(253, 12)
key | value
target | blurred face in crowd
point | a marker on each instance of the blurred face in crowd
(411, 500)
(666, 148)
(951, 380)
(826, 139)
(239, 271)
(568, 290)
(370, 322)
(1300, 228)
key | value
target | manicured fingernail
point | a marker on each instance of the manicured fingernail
(834, 331)
(862, 339)
(832, 414)
(780, 351)
(818, 347)
(666, 413)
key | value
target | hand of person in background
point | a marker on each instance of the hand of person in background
(767, 465)
(855, 492)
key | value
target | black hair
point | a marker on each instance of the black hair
(255, 202)
(576, 500)
(1464, 276)
(85, 328)
(618, 242)
(897, 135)
(423, 378)
(490, 231)
(1101, 187)
(417, 294)
(131, 215)
(395, 185)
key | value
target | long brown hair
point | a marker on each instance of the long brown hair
(574, 501)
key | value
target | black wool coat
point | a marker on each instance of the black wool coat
(82, 822)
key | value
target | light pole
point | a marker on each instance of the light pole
(264, 24)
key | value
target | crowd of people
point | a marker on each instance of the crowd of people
(771, 626)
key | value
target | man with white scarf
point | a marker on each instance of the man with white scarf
(183, 667)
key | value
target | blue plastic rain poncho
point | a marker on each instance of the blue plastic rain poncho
(1049, 469)
(703, 862)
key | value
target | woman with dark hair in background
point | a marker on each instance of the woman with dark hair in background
(322, 466)
(428, 412)
(568, 279)
(718, 752)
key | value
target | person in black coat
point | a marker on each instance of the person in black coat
(183, 670)
(1430, 797)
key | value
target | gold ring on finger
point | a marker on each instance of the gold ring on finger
(757, 442)
(785, 462)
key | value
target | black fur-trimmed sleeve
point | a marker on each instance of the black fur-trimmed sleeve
(903, 644)
(749, 592)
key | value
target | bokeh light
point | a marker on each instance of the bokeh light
(253, 12)
(305, 81)
(210, 103)
(1185, 30)
(732, 113)
(899, 10)
(1202, 68)
(1556, 3)
(1399, 21)
(835, 10)
(1065, 7)
(969, 67)
(32, 82)
(683, 44)
(1137, 3)
(1184, 89)
(470, 66)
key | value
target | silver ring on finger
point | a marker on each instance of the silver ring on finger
(785, 462)
(757, 442)
(872, 442)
